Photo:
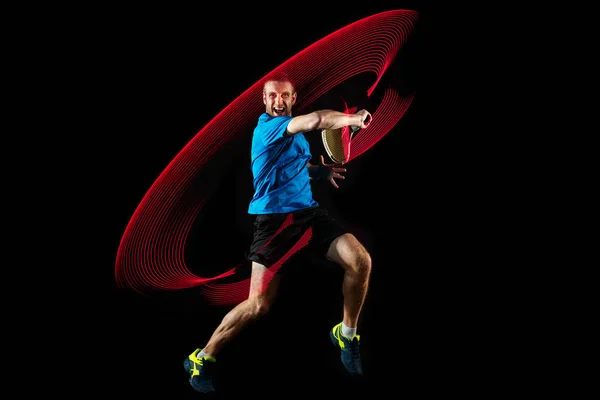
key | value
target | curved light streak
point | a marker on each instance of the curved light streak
(151, 252)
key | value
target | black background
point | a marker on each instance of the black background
(415, 199)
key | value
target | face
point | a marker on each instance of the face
(279, 97)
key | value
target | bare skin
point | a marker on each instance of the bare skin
(349, 253)
(346, 251)
(254, 307)
(279, 97)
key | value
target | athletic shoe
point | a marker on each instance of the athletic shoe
(200, 371)
(350, 350)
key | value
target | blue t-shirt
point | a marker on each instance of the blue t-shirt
(279, 166)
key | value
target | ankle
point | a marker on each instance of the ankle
(348, 332)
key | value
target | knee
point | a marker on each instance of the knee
(363, 262)
(348, 252)
(360, 263)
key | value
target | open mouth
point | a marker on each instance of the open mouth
(279, 110)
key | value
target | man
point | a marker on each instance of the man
(285, 210)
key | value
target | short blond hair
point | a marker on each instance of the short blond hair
(279, 76)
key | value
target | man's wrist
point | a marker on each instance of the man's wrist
(317, 172)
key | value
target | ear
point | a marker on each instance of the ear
(294, 96)
(265, 98)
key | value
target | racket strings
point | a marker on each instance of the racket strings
(337, 143)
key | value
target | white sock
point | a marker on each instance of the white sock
(202, 354)
(348, 332)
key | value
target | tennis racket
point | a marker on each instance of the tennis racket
(337, 142)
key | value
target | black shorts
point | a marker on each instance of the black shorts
(280, 237)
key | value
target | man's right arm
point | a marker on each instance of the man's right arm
(327, 119)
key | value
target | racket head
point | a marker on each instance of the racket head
(337, 142)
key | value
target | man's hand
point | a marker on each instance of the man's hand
(366, 118)
(331, 172)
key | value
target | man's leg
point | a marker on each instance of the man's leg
(263, 289)
(349, 253)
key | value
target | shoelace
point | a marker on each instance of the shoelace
(198, 361)
(195, 360)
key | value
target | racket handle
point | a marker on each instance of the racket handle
(354, 128)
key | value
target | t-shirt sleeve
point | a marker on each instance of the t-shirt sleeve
(274, 129)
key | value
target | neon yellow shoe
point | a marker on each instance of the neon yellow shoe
(350, 350)
(200, 371)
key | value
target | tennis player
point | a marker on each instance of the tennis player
(284, 210)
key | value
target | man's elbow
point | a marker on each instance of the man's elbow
(304, 123)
